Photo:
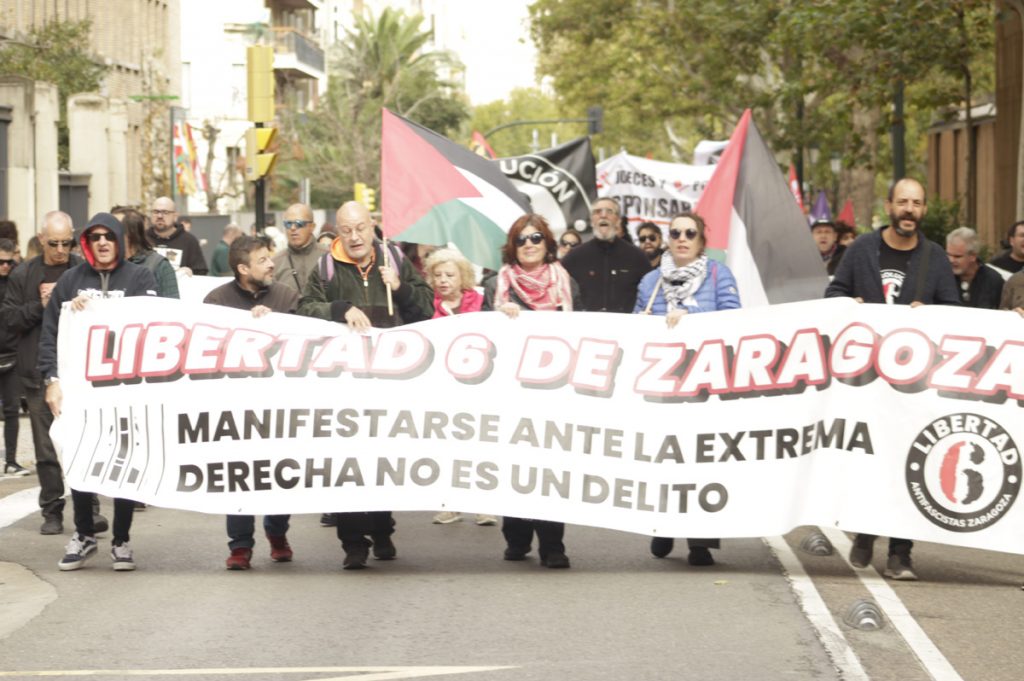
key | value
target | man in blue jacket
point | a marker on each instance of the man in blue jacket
(104, 274)
(896, 265)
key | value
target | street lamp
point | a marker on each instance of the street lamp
(836, 163)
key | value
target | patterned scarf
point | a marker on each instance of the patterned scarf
(681, 283)
(546, 288)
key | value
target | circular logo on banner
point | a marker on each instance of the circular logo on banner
(963, 472)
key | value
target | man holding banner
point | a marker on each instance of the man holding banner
(895, 265)
(363, 283)
(254, 288)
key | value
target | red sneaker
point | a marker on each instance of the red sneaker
(280, 551)
(239, 559)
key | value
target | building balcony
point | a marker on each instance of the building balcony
(297, 55)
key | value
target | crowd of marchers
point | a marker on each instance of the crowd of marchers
(347, 273)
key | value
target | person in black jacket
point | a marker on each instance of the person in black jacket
(104, 274)
(10, 386)
(980, 285)
(171, 240)
(608, 269)
(254, 288)
(28, 290)
(896, 265)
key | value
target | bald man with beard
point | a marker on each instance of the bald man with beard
(349, 286)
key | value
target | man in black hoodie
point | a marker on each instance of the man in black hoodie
(104, 274)
(171, 240)
(10, 384)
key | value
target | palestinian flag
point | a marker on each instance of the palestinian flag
(751, 216)
(434, 191)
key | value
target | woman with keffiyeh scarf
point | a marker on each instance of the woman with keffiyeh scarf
(532, 279)
(686, 282)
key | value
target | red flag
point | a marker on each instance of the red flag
(478, 144)
(794, 186)
(846, 214)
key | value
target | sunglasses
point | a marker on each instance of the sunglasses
(60, 244)
(98, 236)
(296, 224)
(570, 244)
(691, 233)
(535, 239)
(6, 261)
(647, 237)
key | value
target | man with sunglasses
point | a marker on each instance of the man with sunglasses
(293, 264)
(104, 274)
(10, 383)
(649, 239)
(171, 240)
(28, 291)
(607, 268)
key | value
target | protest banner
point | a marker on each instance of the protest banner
(560, 181)
(871, 418)
(650, 190)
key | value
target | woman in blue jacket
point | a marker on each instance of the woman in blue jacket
(687, 282)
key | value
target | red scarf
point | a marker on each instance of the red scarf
(546, 288)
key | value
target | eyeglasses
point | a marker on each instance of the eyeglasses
(568, 244)
(6, 261)
(60, 244)
(296, 224)
(97, 236)
(691, 233)
(160, 212)
(535, 238)
(648, 237)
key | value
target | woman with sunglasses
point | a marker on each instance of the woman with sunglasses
(686, 282)
(532, 279)
(569, 240)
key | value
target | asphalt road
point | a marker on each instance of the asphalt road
(450, 606)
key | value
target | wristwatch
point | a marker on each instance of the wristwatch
(51, 380)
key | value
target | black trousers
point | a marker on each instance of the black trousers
(85, 504)
(519, 534)
(354, 528)
(896, 545)
(10, 393)
(51, 477)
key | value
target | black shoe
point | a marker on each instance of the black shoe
(355, 558)
(700, 556)
(328, 520)
(862, 550)
(384, 549)
(900, 567)
(516, 553)
(99, 523)
(52, 525)
(661, 546)
(140, 507)
(555, 560)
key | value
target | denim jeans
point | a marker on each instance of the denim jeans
(242, 527)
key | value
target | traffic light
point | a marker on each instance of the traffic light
(370, 198)
(258, 161)
(359, 189)
(595, 120)
(260, 81)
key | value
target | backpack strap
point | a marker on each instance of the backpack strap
(326, 267)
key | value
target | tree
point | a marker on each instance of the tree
(524, 104)
(53, 53)
(816, 72)
(384, 61)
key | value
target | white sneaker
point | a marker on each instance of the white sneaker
(447, 517)
(15, 470)
(121, 554)
(483, 519)
(78, 550)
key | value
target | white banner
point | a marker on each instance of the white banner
(651, 190)
(879, 419)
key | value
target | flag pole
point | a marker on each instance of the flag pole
(387, 263)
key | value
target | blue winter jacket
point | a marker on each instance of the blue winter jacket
(718, 292)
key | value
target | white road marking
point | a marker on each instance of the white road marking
(364, 673)
(927, 653)
(16, 506)
(817, 612)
